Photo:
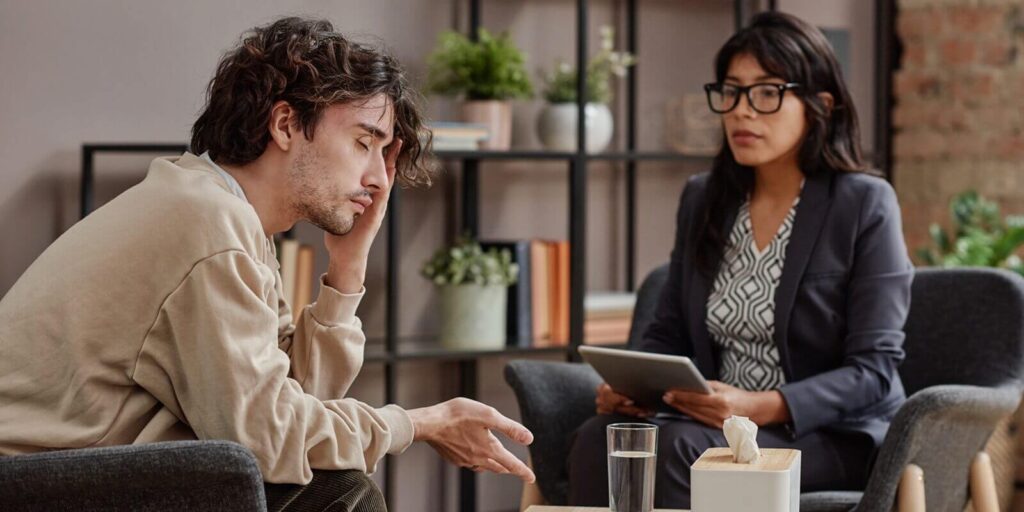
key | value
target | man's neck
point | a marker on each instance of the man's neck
(266, 191)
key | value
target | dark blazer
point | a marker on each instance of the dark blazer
(840, 305)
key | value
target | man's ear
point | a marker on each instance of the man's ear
(283, 124)
(828, 100)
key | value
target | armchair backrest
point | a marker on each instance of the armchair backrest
(965, 326)
(647, 297)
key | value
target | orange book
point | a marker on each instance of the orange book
(560, 325)
(540, 303)
(303, 279)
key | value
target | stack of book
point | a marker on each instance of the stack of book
(607, 317)
(297, 267)
(538, 304)
(449, 136)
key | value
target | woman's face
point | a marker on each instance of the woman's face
(756, 139)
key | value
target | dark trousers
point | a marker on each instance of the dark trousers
(329, 491)
(829, 461)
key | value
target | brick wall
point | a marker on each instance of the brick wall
(958, 124)
(959, 114)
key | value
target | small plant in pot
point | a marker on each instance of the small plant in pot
(487, 74)
(556, 126)
(474, 290)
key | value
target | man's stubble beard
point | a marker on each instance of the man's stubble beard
(309, 201)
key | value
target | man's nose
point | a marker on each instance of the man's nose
(376, 175)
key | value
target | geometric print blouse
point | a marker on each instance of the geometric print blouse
(741, 306)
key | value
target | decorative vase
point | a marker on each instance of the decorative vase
(496, 115)
(473, 316)
(556, 126)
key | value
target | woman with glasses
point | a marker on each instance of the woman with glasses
(788, 285)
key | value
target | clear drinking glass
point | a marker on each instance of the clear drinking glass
(632, 455)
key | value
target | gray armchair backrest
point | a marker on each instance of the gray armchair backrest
(554, 400)
(647, 297)
(966, 326)
(965, 339)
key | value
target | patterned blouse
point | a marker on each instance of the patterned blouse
(741, 306)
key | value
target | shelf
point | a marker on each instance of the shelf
(563, 155)
(505, 155)
(135, 147)
(667, 156)
(429, 349)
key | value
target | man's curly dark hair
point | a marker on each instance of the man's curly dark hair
(307, 64)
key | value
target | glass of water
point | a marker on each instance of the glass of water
(632, 455)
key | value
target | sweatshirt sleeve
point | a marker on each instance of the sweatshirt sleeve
(212, 357)
(325, 344)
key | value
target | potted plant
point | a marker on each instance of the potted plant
(556, 126)
(981, 238)
(487, 74)
(474, 290)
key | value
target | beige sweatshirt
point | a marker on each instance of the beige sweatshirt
(160, 317)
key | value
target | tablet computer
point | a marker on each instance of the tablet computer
(644, 376)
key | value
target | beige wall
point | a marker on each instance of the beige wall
(113, 71)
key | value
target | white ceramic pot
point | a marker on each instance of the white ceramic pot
(473, 316)
(556, 126)
(496, 115)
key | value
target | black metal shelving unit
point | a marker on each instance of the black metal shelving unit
(391, 350)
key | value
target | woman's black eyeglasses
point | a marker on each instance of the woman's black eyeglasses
(763, 98)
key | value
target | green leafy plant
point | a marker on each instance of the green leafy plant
(981, 238)
(467, 263)
(560, 85)
(492, 68)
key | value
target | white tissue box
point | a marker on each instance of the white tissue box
(772, 484)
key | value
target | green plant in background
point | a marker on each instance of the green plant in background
(981, 238)
(467, 263)
(560, 85)
(492, 68)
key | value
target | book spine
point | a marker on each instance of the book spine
(522, 329)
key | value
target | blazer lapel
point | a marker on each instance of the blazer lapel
(807, 224)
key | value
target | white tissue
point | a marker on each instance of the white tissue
(741, 434)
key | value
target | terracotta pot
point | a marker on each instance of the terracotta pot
(496, 115)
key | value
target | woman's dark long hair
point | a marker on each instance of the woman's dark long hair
(795, 51)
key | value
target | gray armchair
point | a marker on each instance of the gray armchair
(965, 350)
(183, 475)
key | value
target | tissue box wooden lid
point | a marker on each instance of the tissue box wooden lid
(771, 459)
(772, 484)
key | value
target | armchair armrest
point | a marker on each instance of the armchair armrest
(941, 429)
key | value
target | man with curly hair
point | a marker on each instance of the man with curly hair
(161, 315)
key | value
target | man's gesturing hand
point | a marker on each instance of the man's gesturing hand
(460, 430)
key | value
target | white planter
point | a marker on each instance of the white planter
(496, 115)
(556, 126)
(473, 316)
